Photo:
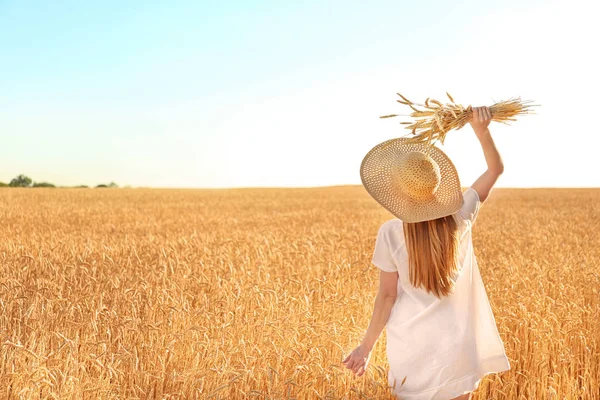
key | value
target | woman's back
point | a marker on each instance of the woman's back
(394, 256)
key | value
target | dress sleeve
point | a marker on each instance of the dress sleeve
(471, 205)
(382, 255)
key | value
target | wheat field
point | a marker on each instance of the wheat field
(260, 293)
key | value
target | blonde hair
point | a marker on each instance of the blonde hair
(432, 248)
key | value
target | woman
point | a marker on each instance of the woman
(441, 333)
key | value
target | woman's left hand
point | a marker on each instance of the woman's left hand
(358, 360)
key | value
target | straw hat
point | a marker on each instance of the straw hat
(414, 181)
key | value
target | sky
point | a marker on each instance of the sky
(212, 94)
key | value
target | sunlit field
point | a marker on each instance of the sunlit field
(261, 293)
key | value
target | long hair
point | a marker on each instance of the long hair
(432, 248)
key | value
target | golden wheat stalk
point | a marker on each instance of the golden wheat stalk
(434, 123)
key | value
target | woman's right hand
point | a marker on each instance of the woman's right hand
(482, 117)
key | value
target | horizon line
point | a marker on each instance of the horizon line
(278, 187)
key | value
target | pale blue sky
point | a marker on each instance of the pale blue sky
(242, 93)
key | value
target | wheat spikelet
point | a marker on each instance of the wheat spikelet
(438, 119)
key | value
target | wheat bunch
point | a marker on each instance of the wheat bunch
(434, 123)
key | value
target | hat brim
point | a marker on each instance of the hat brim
(376, 176)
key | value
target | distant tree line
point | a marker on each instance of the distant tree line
(23, 181)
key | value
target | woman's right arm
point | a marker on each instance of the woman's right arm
(495, 167)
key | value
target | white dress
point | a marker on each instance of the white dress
(442, 346)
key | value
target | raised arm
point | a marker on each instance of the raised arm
(484, 184)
